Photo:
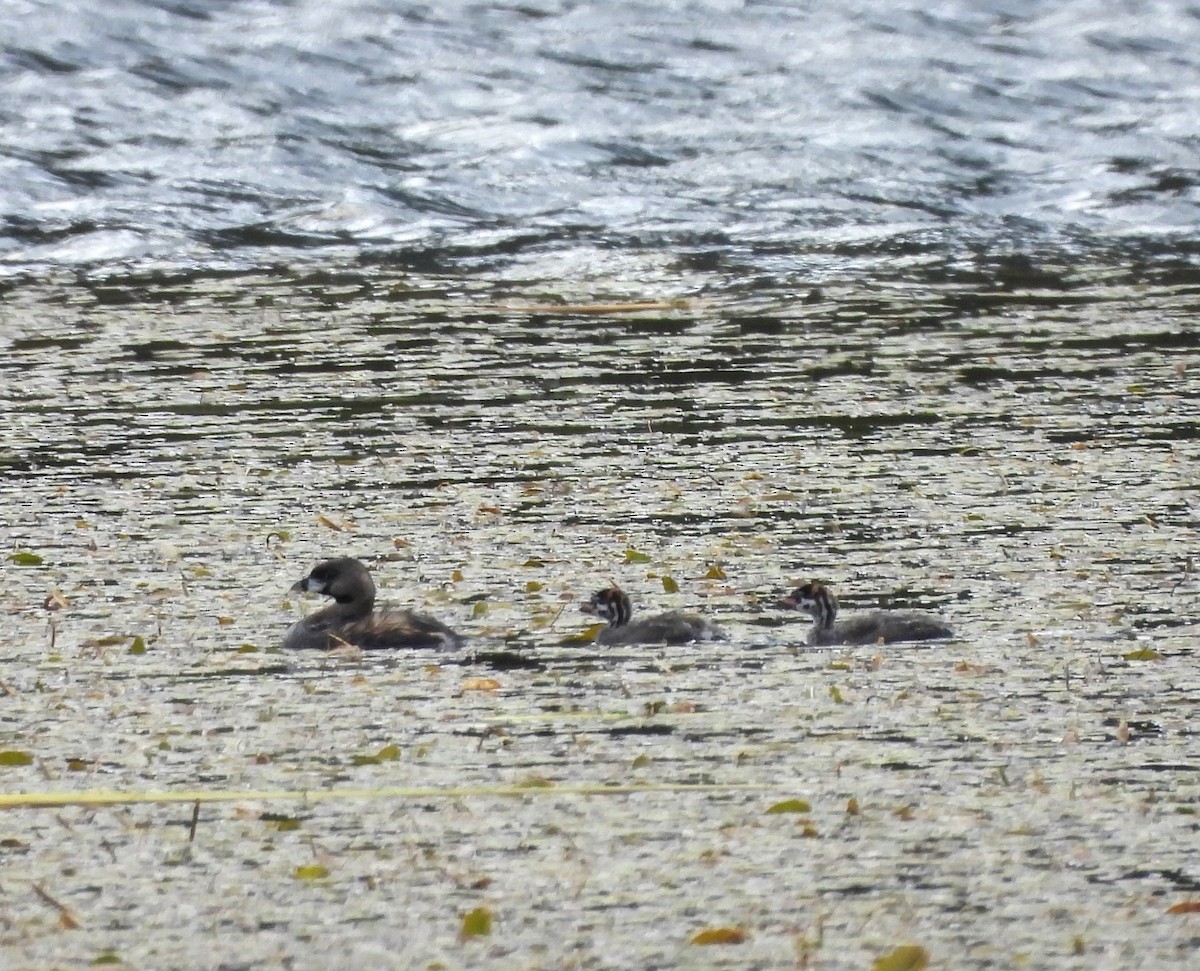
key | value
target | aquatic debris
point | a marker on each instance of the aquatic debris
(721, 935)
(909, 957)
(476, 923)
(791, 806)
(66, 917)
(389, 753)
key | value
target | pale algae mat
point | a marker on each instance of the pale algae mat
(1022, 796)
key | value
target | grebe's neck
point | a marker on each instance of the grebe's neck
(822, 606)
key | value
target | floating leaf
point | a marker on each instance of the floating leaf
(533, 586)
(481, 684)
(532, 562)
(715, 573)
(478, 923)
(636, 556)
(585, 636)
(285, 824)
(329, 523)
(535, 782)
(720, 935)
(22, 558)
(13, 757)
(480, 608)
(105, 957)
(641, 761)
(389, 753)
(314, 871)
(852, 807)
(1144, 654)
(456, 576)
(835, 695)
(138, 646)
(791, 806)
(1187, 907)
(669, 585)
(247, 649)
(910, 957)
(224, 621)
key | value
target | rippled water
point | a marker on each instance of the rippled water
(1022, 462)
(799, 141)
(281, 282)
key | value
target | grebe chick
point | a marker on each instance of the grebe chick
(876, 627)
(675, 627)
(353, 619)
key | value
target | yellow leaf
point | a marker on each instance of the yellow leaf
(1144, 654)
(669, 585)
(720, 935)
(13, 758)
(478, 923)
(636, 556)
(22, 558)
(533, 586)
(138, 646)
(479, 609)
(910, 957)
(715, 573)
(456, 576)
(314, 871)
(481, 684)
(285, 824)
(790, 806)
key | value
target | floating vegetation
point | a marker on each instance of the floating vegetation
(790, 806)
(476, 923)
(389, 753)
(909, 957)
(720, 935)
